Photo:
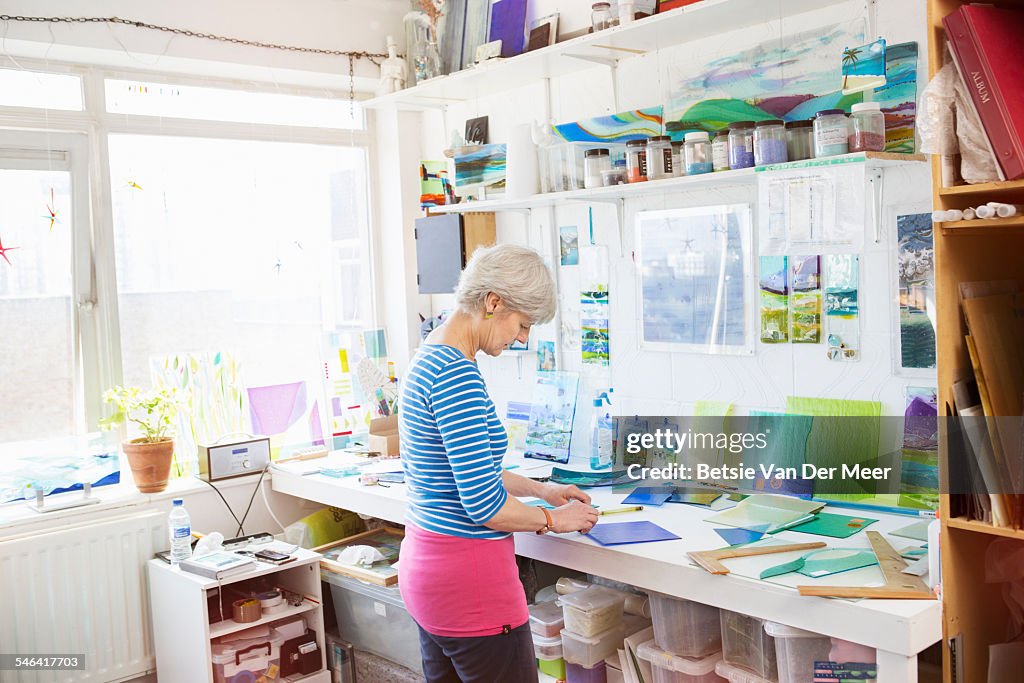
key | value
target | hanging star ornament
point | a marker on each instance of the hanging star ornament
(3, 252)
(51, 209)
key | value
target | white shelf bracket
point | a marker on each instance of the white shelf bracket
(606, 61)
(875, 186)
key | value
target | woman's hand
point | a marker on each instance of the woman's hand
(573, 516)
(561, 494)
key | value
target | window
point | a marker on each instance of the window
(37, 89)
(222, 104)
(237, 245)
(252, 240)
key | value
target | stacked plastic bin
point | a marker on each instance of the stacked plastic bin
(593, 630)
(687, 641)
(748, 651)
(546, 623)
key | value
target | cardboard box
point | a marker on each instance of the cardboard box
(384, 435)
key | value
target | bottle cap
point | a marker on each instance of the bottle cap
(769, 122)
(802, 123)
(177, 501)
(830, 112)
(741, 125)
(660, 138)
(696, 136)
(599, 152)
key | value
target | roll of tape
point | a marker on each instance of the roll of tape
(246, 610)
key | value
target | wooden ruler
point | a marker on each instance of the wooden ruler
(898, 586)
(711, 560)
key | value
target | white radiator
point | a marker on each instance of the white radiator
(81, 589)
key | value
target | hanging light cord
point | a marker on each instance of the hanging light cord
(352, 55)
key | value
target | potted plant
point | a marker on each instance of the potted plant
(149, 455)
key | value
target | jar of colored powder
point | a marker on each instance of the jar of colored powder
(769, 142)
(830, 133)
(741, 144)
(799, 140)
(867, 128)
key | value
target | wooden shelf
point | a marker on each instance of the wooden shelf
(991, 190)
(222, 628)
(983, 528)
(631, 191)
(607, 47)
(985, 224)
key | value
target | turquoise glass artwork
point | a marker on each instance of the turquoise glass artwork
(628, 125)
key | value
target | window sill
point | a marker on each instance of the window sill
(17, 519)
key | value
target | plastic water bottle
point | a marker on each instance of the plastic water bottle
(180, 531)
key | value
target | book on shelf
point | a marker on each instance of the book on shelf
(217, 565)
(985, 44)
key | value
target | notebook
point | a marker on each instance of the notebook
(217, 565)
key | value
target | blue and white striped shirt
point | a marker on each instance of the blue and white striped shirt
(452, 444)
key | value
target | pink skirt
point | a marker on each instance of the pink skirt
(461, 587)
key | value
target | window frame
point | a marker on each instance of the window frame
(85, 136)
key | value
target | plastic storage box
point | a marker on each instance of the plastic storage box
(735, 674)
(796, 651)
(247, 656)
(546, 619)
(373, 618)
(592, 610)
(549, 655)
(589, 650)
(670, 668)
(685, 628)
(574, 673)
(745, 643)
(563, 168)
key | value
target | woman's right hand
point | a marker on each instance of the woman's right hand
(574, 516)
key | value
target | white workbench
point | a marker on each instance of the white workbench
(898, 629)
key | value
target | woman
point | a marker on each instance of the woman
(458, 573)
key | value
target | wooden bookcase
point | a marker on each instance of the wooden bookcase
(974, 614)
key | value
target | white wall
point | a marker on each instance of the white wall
(359, 25)
(648, 382)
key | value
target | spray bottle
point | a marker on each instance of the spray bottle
(601, 452)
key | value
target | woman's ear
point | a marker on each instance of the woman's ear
(491, 302)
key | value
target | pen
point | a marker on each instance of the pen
(633, 508)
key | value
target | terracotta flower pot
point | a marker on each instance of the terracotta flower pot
(150, 463)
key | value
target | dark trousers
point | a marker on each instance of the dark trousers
(503, 658)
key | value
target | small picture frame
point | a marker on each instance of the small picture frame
(476, 131)
(543, 32)
(488, 51)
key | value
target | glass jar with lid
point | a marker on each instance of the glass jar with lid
(677, 159)
(594, 162)
(720, 150)
(799, 140)
(830, 133)
(741, 144)
(636, 160)
(659, 157)
(697, 153)
(600, 16)
(770, 142)
(867, 128)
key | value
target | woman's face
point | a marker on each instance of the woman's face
(504, 328)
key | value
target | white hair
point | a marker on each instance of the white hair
(516, 274)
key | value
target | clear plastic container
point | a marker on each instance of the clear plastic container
(595, 161)
(799, 140)
(615, 176)
(547, 647)
(592, 611)
(552, 667)
(685, 628)
(564, 164)
(600, 16)
(735, 674)
(589, 650)
(770, 142)
(720, 150)
(575, 673)
(697, 153)
(830, 133)
(745, 644)
(678, 169)
(867, 128)
(670, 668)
(636, 161)
(546, 619)
(796, 651)
(246, 656)
(741, 144)
(374, 618)
(659, 157)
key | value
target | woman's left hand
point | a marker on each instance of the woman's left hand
(560, 494)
